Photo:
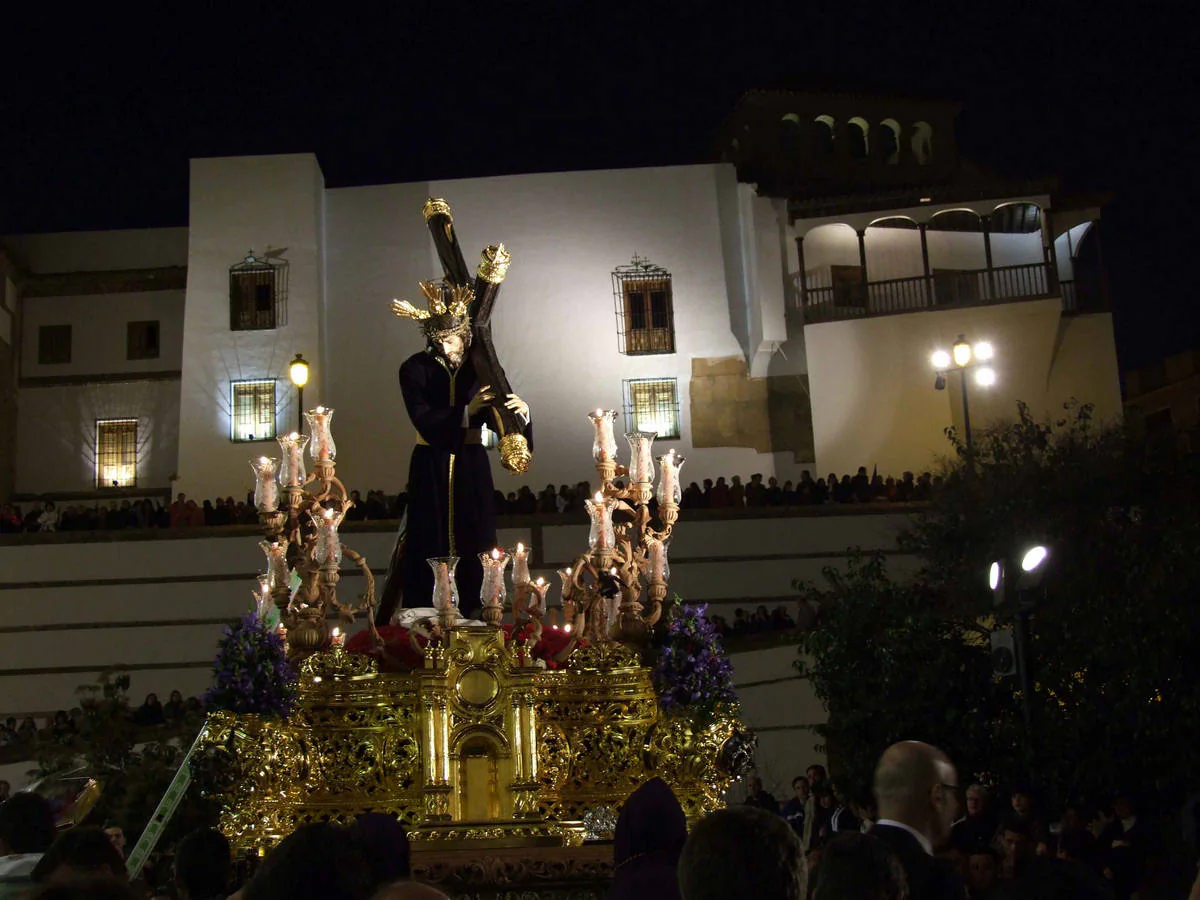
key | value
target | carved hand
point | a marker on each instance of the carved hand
(517, 405)
(480, 400)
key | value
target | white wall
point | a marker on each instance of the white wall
(872, 385)
(56, 441)
(555, 327)
(238, 204)
(99, 333)
(98, 251)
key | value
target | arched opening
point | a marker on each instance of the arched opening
(889, 141)
(922, 143)
(832, 271)
(791, 135)
(957, 257)
(1080, 274)
(478, 779)
(895, 265)
(823, 135)
(857, 137)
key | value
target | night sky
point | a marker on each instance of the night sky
(101, 114)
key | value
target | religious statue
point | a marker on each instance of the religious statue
(450, 390)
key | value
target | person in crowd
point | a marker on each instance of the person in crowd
(8, 732)
(845, 491)
(647, 843)
(742, 853)
(706, 497)
(48, 520)
(1074, 869)
(10, 521)
(924, 487)
(1126, 844)
(26, 833)
(28, 732)
(173, 710)
(774, 492)
(62, 728)
(719, 498)
(150, 712)
(818, 826)
(1024, 812)
(842, 820)
(860, 486)
(978, 826)
(916, 788)
(178, 511)
(562, 502)
(781, 619)
(864, 809)
(756, 491)
(793, 810)
(756, 795)
(861, 867)
(789, 497)
(320, 861)
(384, 841)
(526, 501)
(982, 874)
(80, 853)
(548, 501)
(737, 492)
(1022, 873)
(116, 834)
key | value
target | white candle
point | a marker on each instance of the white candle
(339, 639)
(521, 565)
(266, 491)
(604, 447)
(291, 471)
(277, 570)
(658, 559)
(329, 545)
(641, 464)
(600, 536)
(322, 447)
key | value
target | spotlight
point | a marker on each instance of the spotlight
(940, 359)
(1034, 557)
(985, 377)
(994, 572)
(983, 351)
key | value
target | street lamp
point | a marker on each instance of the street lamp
(1032, 570)
(299, 375)
(964, 356)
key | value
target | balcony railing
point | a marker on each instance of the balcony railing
(944, 289)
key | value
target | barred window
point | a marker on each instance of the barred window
(54, 345)
(253, 416)
(141, 340)
(645, 308)
(258, 293)
(652, 404)
(116, 453)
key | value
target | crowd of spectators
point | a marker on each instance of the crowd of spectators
(184, 512)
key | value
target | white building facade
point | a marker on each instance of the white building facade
(772, 312)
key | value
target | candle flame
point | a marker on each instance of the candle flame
(263, 460)
(495, 554)
(568, 570)
(540, 581)
(293, 436)
(567, 628)
(612, 571)
(520, 547)
(328, 513)
(319, 409)
(336, 632)
(599, 412)
(599, 498)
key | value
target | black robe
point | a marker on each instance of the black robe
(443, 466)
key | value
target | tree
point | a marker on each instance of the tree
(1112, 632)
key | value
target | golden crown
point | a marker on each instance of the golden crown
(443, 300)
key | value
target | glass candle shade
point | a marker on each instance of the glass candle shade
(329, 545)
(537, 597)
(604, 445)
(266, 489)
(493, 592)
(668, 482)
(566, 575)
(601, 536)
(445, 587)
(263, 601)
(656, 552)
(322, 446)
(291, 463)
(641, 463)
(520, 558)
(278, 576)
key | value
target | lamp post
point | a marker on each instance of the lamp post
(1028, 576)
(964, 356)
(298, 371)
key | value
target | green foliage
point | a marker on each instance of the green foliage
(1112, 633)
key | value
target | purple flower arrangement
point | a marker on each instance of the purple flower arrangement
(251, 673)
(693, 675)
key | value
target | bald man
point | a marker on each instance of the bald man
(916, 787)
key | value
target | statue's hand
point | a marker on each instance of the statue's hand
(517, 405)
(480, 400)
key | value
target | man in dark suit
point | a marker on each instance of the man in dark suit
(916, 787)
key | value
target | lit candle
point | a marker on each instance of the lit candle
(266, 491)
(565, 575)
(668, 482)
(262, 597)
(641, 463)
(538, 589)
(600, 535)
(278, 576)
(337, 638)
(291, 469)
(604, 447)
(492, 593)
(329, 545)
(322, 446)
(445, 587)
(521, 565)
(659, 568)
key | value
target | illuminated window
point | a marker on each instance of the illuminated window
(54, 345)
(141, 340)
(258, 293)
(116, 453)
(253, 405)
(652, 404)
(645, 308)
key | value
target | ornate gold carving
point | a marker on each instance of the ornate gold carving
(514, 453)
(477, 686)
(436, 206)
(493, 264)
(338, 666)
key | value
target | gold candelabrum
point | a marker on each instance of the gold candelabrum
(300, 513)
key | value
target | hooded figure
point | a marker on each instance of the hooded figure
(650, 835)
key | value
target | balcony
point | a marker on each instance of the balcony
(944, 289)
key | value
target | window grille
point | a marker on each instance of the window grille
(141, 340)
(253, 405)
(652, 404)
(258, 292)
(116, 453)
(645, 308)
(54, 345)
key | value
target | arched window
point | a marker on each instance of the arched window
(1016, 218)
(956, 220)
(889, 141)
(824, 135)
(922, 143)
(856, 135)
(791, 135)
